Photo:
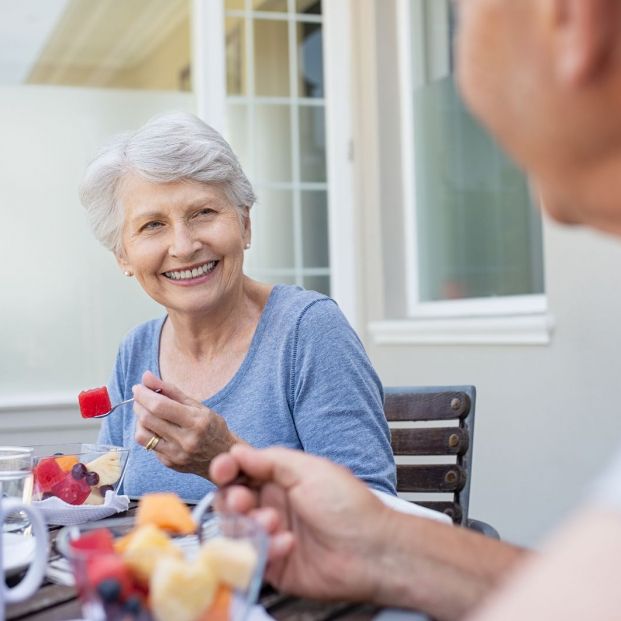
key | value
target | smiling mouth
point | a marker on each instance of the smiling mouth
(195, 272)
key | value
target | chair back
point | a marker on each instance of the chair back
(447, 442)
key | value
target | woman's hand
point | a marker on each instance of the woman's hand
(191, 434)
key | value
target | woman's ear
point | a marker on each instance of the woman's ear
(246, 227)
(123, 264)
(587, 35)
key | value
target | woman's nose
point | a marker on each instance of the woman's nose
(183, 243)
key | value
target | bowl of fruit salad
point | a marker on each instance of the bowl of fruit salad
(161, 566)
(78, 474)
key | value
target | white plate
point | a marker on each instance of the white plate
(18, 552)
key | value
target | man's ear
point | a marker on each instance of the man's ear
(587, 33)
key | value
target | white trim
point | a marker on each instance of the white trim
(343, 241)
(510, 330)
(408, 158)
(43, 401)
(209, 62)
(484, 307)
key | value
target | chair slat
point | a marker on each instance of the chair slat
(435, 478)
(427, 406)
(429, 441)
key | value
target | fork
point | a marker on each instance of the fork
(118, 405)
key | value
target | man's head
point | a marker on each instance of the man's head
(545, 77)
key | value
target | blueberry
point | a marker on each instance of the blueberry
(59, 453)
(104, 488)
(133, 605)
(92, 478)
(78, 471)
(109, 590)
(46, 495)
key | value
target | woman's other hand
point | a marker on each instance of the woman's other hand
(191, 434)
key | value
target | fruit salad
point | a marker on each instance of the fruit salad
(153, 567)
(80, 475)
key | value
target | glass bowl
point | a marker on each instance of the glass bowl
(79, 474)
(135, 599)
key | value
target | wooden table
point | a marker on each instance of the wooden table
(53, 602)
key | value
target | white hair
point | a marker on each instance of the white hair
(170, 147)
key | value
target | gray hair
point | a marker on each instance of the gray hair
(170, 147)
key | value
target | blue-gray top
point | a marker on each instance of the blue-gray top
(306, 383)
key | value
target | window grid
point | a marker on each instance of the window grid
(297, 271)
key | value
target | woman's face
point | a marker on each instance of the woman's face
(183, 241)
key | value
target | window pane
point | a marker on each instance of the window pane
(143, 44)
(271, 58)
(318, 283)
(477, 233)
(272, 129)
(315, 228)
(235, 5)
(310, 7)
(312, 143)
(235, 56)
(272, 230)
(270, 5)
(310, 60)
(237, 135)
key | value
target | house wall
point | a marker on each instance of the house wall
(64, 304)
(546, 418)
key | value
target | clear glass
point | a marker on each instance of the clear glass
(318, 283)
(312, 143)
(270, 5)
(272, 144)
(308, 7)
(235, 56)
(134, 45)
(16, 482)
(271, 58)
(212, 525)
(54, 475)
(478, 234)
(315, 226)
(310, 59)
(272, 230)
(237, 135)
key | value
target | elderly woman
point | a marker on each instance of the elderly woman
(232, 359)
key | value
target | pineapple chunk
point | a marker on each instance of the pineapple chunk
(107, 466)
(181, 591)
(233, 560)
(146, 547)
(94, 498)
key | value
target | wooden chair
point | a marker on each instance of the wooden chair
(450, 444)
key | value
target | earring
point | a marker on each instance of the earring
(247, 245)
(128, 273)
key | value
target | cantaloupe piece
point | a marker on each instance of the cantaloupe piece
(167, 511)
(220, 609)
(66, 462)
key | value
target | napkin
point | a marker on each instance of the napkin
(57, 512)
(404, 506)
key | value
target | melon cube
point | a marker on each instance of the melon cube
(47, 474)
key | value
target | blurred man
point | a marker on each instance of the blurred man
(545, 77)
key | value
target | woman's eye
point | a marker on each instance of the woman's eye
(151, 226)
(205, 212)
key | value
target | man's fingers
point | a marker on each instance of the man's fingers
(224, 468)
(285, 467)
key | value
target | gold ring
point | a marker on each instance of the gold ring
(152, 443)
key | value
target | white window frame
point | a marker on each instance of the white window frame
(209, 83)
(520, 319)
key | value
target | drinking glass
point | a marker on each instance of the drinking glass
(16, 482)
